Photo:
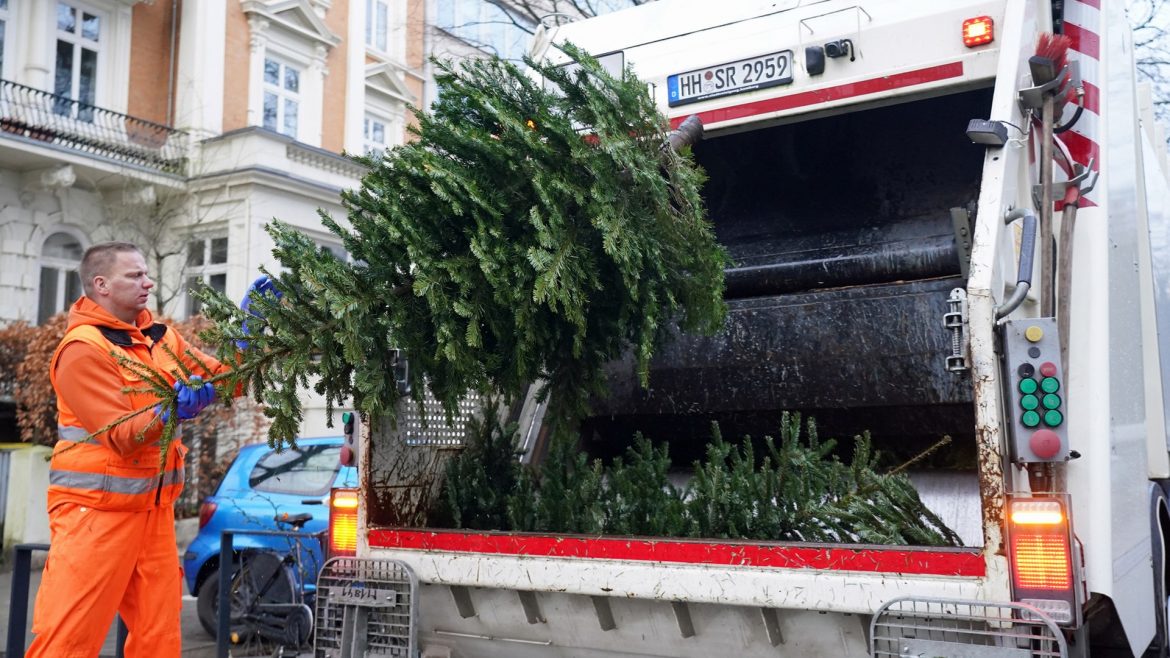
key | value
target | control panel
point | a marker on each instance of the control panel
(1035, 389)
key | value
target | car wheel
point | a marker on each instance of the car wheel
(207, 604)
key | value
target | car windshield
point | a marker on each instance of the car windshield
(306, 471)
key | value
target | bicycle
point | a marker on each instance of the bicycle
(271, 594)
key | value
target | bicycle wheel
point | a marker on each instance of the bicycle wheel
(259, 580)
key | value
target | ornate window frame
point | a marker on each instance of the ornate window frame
(62, 268)
(386, 99)
(291, 31)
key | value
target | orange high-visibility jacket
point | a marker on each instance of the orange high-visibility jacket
(118, 469)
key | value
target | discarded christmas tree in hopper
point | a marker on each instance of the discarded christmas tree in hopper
(539, 226)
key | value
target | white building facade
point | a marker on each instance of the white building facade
(186, 127)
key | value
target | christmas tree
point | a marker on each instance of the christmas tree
(538, 226)
(542, 223)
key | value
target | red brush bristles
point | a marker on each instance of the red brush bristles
(1053, 47)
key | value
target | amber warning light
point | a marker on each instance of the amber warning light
(978, 31)
(343, 517)
(1041, 556)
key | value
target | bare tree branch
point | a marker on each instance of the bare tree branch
(1150, 20)
(525, 16)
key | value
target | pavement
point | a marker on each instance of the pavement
(196, 642)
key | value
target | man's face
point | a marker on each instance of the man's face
(125, 287)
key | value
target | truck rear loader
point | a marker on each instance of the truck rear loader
(940, 222)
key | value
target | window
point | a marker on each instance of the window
(60, 280)
(307, 471)
(282, 96)
(78, 46)
(337, 250)
(206, 266)
(377, 24)
(483, 25)
(374, 135)
(3, 31)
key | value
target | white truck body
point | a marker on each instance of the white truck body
(517, 595)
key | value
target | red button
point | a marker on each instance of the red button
(1045, 444)
(1048, 369)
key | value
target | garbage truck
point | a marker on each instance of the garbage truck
(943, 218)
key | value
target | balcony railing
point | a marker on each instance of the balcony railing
(53, 119)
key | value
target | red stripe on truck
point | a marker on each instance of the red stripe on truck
(1084, 41)
(900, 560)
(1081, 148)
(827, 94)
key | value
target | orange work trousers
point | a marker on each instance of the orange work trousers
(101, 563)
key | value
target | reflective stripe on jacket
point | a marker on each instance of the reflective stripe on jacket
(90, 473)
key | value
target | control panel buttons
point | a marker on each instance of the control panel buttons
(1053, 418)
(1030, 418)
(1045, 444)
(1037, 428)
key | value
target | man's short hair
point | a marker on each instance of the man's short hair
(99, 258)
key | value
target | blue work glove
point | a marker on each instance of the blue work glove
(194, 396)
(264, 285)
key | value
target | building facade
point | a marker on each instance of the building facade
(457, 29)
(186, 126)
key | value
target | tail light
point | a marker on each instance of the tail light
(1040, 544)
(206, 511)
(978, 31)
(343, 522)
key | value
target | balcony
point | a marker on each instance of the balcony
(62, 122)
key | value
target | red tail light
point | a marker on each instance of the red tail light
(343, 521)
(206, 511)
(1040, 541)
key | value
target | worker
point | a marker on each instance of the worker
(111, 514)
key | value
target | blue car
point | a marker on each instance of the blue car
(260, 487)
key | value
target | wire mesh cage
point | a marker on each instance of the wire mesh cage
(366, 607)
(963, 629)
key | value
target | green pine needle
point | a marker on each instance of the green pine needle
(535, 229)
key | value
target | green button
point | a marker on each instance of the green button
(1031, 418)
(1052, 401)
(1029, 402)
(1028, 385)
(1053, 418)
(1049, 385)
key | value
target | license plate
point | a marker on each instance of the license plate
(731, 78)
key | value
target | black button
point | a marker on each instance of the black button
(1034, 352)
(1026, 370)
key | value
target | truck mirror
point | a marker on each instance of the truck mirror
(401, 370)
